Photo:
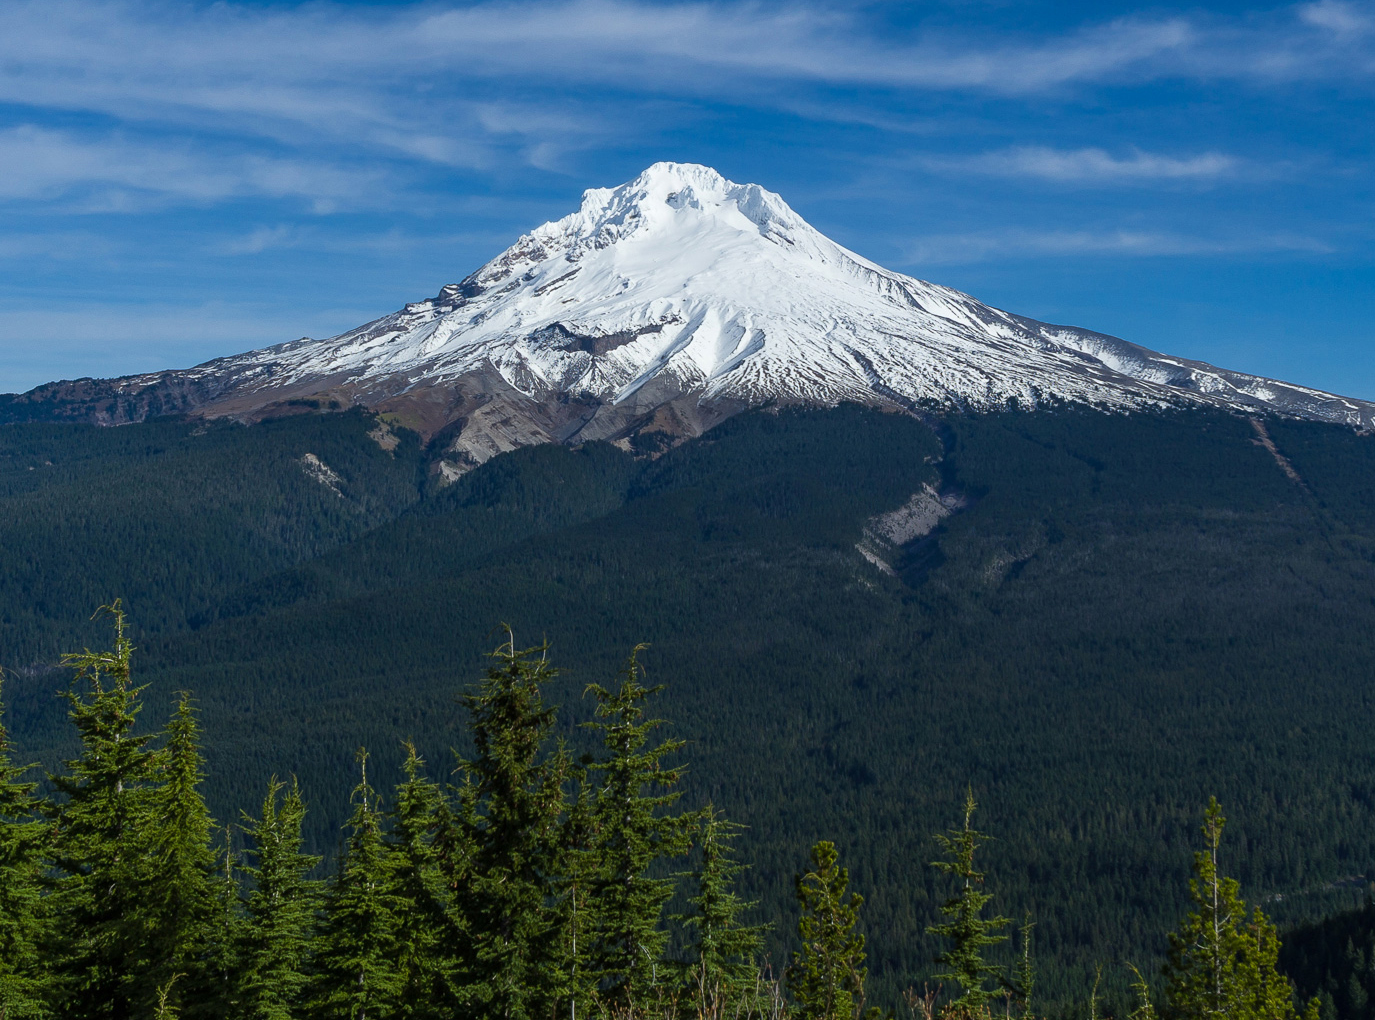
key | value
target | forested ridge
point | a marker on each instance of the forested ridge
(1131, 614)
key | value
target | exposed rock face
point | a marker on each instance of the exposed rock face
(666, 305)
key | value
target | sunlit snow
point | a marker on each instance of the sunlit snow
(720, 290)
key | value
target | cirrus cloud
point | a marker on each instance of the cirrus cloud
(1090, 165)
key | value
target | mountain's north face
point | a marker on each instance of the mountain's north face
(666, 305)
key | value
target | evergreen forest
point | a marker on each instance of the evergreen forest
(537, 884)
(1124, 616)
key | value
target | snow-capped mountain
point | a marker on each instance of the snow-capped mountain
(667, 304)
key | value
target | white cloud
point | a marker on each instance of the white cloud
(1344, 19)
(1090, 165)
(260, 239)
(204, 103)
(266, 238)
(946, 249)
(400, 78)
(128, 173)
(64, 245)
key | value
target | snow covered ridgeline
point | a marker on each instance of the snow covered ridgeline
(680, 298)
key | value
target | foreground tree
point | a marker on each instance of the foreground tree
(506, 839)
(632, 836)
(281, 910)
(722, 958)
(356, 972)
(180, 896)
(23, 837)
(227, 934)
(969, 932)
(827, 975)
(1222, 963)
(420, 839)
(102, 957)
(577, 912)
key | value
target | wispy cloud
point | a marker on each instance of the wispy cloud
(439, 84)
(264, 238)
(1090, 166)
(118, 172)
(1348, 20)
(948, 249)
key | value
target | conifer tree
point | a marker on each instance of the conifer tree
(575, 907)
(1222, 964)
(418, 840)
(506, 855)
(23, 984)
(722, 956)
(180, 897)
(356, 960)
(281, 910)
(826, 977)
(227, 935)
(1025, 980)
(102, 953)
(968, 930)
(632, 836)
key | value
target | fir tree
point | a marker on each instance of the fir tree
(180, 894)
(1025, 981)
(722, 956)
(281, 910)
(23, 984)
(632, 836)
(420, 824)
(1145, 1008)
(506, 854)
(827, 975)
(356, 959)
(227, 935)
(969, 931)
(1222, 963)
(102, 950)
(575, 906)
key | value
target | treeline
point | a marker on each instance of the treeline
(536, 885)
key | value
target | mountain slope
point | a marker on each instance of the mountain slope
(169, 515)
(1131, 612)
(666, 305)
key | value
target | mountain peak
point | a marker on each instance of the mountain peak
(669, 198)
(667, 304)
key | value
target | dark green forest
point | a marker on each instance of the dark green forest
(535, 886)
(1132, 613)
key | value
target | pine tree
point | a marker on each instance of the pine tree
(1222, 964)
(281, 910)
(23, 984)
(420, 822)
(356, 960)
(102, 948)
(632, 836)
(506, 855)
(826, 977)
(967, 929)
(180, 894)
(722, 958)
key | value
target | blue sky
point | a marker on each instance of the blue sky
(184, 180)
